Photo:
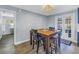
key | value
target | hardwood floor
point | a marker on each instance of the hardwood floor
(7, 47)
(23, 48)
(65, 49)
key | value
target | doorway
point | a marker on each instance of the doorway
(66, 23)
(7, 21)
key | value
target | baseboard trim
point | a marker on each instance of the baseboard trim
(75, 43)
(20, 42)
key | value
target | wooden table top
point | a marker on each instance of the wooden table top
(46, 32)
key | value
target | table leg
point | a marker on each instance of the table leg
(30, 38)
(59, 43)
(47, 45)
(59, 38)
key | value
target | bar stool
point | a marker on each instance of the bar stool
(55, 42)
(37, 40)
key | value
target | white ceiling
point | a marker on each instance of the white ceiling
(38, 8)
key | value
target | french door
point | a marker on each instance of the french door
(66, 23)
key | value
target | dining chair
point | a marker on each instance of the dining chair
(37, 40)
(54, 42)
(51, 28)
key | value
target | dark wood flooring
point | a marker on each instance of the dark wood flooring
(26, 48)
(7, 47)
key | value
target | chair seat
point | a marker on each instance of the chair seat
(53, 38)
(38, 40)
(40, 37)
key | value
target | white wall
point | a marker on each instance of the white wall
(24, 22)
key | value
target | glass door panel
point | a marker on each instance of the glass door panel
(66, 23)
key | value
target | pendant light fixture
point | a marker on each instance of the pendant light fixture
(47, 8)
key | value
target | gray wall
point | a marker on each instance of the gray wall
(51, 21)
(24, 22)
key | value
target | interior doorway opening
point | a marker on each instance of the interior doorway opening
(7, 26)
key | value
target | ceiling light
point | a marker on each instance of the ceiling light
(47, 8)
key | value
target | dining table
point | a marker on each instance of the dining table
(47, 34)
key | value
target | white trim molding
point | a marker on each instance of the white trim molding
(20, 42)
